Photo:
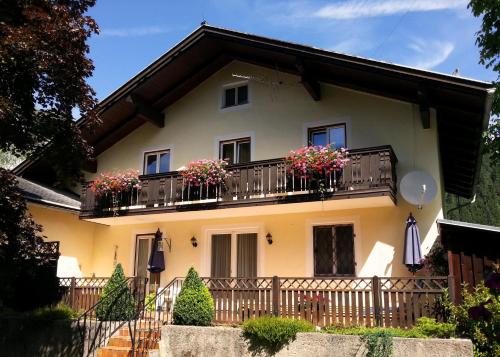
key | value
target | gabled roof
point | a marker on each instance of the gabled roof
(40, 194)
(462, 105)
(468, 226)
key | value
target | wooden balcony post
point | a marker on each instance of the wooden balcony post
(376, 292)
(72, 297)
(276, 295)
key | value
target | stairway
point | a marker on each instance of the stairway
(147, 336)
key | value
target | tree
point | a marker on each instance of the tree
(43, 72)
(117, 302)
(488, 40)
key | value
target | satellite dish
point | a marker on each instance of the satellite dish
(418, 188)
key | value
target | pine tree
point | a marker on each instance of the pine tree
(116, 303)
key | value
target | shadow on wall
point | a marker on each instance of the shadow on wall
(22, 338)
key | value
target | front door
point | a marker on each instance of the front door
(143, 246)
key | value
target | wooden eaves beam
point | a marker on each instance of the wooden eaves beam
(145, 111)
(311, 85)
(425, 111)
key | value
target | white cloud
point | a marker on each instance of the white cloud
(428, 54)
(352, 9)
(134, 31)
(352, 46)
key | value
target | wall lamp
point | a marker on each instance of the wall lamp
(194, 241)
(269, 238)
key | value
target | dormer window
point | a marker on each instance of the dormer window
(235, 95)
(156, 162)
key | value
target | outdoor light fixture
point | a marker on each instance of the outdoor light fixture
(194, 242)
(269, 238)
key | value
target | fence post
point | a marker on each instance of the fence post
(451, 289)
(376, 291)
(72, 296)
(275, 295)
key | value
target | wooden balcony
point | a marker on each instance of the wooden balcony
(369, 172)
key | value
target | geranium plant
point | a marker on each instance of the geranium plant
(115, 182)
(310, 160)
(205, 172)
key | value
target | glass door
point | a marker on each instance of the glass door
(143, 247)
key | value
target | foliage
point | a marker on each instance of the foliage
(205, 172)
(116, 182)
(43, 72)
(150, 302)
(436, 260)
(270, 334)
(486, 208)
(27, 273)
(59, 312)
(8, 161)
(478, 318)
(431, 328)
(116, 303)
(488, 40)
(378, 344)
(310, 160)
(194, 304)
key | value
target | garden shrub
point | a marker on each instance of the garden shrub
(378, 344)
(429, 327)
(116, 302)
(270, 334)
(59, 312)
(362, 330)
(194, 304)
(478, 318)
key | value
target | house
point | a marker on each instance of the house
(225, 94)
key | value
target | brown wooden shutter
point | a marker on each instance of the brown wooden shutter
(221, 256)
(344, 243)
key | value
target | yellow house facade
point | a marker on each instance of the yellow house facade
(249, 105)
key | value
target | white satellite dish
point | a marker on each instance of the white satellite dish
(418, 188)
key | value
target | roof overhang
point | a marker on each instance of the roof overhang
(462, 105)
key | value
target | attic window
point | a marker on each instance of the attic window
(233, 96)
(156, 162)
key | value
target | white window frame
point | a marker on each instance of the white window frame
(235, 143)
(228, 137)
(222, 96)
(157, 153)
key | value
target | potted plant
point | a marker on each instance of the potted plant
(313, 165)
(116, 189)
(202, 178)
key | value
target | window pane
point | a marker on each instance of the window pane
(344, 242)
(221, 256)
(228, 152)
(242, 94)
(318, 138)
(230, 97)
(244, 152)
(247, 255)
(151, 164)
(165, 162)
(337, 136)
(323, 251)
(142, 257)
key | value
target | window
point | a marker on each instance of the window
(156, 162)
(226, 261)
(322, 136)
(235, 151)
(333, 250)
(235, 96)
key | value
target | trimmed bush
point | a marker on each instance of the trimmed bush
(194, 304)
(116, 302)
(431, 328)
(361, 331)
(59, 312)
(270, 334)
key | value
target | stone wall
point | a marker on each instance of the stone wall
(23, 337)
(226, 341)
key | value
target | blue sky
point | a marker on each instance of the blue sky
(437, 35)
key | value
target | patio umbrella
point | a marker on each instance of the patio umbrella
(412, 252)
(156, 263)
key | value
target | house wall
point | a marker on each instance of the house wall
(276, 119)
(76, 238)
(378, 241)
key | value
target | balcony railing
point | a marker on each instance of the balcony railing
(369, 172)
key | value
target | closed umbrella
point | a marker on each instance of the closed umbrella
(156, 263)
(412, 252)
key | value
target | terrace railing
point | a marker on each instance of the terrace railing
(368, 172)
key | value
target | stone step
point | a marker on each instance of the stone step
(114, 351)
(126, 341)
(141, 332)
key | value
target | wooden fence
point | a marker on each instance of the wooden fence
(346, 301)
(82, 293)
(390, 302)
